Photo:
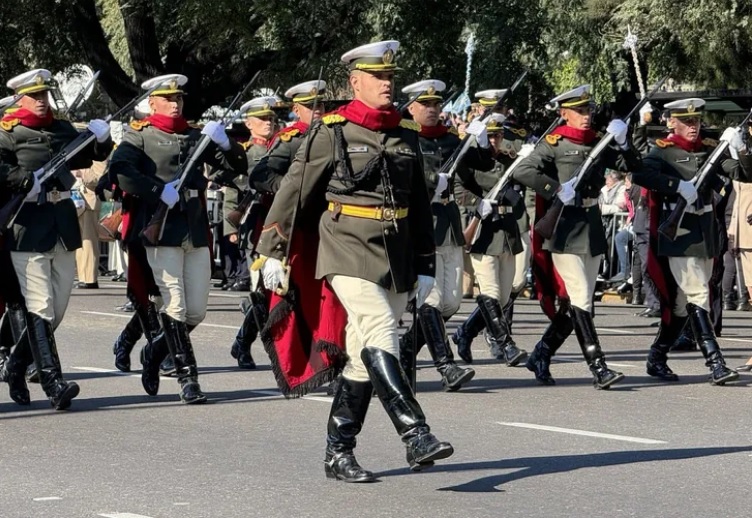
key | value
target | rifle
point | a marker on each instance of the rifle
(547, 224)
(670, 227)
(10, 210)
(472, 231)
(153, 231)
(450, 166)
(81, 97)
(12, 102)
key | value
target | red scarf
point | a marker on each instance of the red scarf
(258, 141)
(370, 118)
(577, 136)
(29, 119)
(298, 125)
(686, 145)
(168, 124)
(433, 131)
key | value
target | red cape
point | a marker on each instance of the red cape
(657, 267)
(305, 333)
(548, 283)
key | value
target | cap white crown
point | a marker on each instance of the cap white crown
(28, 78)
(167, 81)
(371, 50)
(306, 88)
(429, 86)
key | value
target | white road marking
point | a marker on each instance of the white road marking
(46, 498)
(203, 324)
(619, 331)
(116, 372)
(574, 360)
(585, 433)
(123, 515)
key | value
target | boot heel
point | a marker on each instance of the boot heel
(63, 400)
(328, 471)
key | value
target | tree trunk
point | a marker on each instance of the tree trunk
(93, 42)
(141, 36)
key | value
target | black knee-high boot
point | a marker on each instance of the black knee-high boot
(702, 328)
(126, 341)
(155, 350)
(44, 350)
(432, 324)
(14, 369)
(181, 350)
(502, 345)
(254, 320)
(393, 389)
(465, 334)
(346, 419)
(553, 337)
(584, 327)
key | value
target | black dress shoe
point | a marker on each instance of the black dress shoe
(241, 286)
(744, 368)
(87, 286)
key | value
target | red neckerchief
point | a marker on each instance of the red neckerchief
(577, 136)
(686, 145)
(370, 118)
(298, 125)
(258, 141)
(168, 124)
(30, 120)
(433, 131)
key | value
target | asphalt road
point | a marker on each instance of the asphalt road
(644, 448)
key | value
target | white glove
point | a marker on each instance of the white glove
(422, 289)
(170, 194)
(273, 273)
(646, 110)
(486, 208)
(35, 189)
(567, 193)
(734, 138)
(525, 150)
(618, 128)
(687, 191)
(217, 134)
(478, 128)
(100, 129)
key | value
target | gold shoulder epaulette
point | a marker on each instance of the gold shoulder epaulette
(139, 125)
(332, 118)
(195, 126)
(553, 139)
(520, 132)
(454, 131)
(710, 142)
(411, 125)
(246, 145)
(9, 124)
(662, 143)
(287, 135)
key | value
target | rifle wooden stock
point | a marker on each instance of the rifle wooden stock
(670, 227)
(470, 230)
(546, 226)
(235, 217)
(152, 232)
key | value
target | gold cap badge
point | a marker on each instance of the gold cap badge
(690, 108)
(39, 79)
(266, 106)
(431, 90)
(388, 56)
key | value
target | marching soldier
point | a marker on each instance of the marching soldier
(45, 235)
(307, 99)
(146, 164)
(685, 263)
(493, 253)
(360, 177)
(579, 241)
(260, 121)
(437, 143)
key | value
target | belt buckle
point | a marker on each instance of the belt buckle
(387, 214)
(54, 197)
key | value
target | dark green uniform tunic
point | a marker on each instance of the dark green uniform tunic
(39, 227)
(554, 161)
(390, 253)
(446, 214)
(662, 169)
(266, 175)
(148, 158)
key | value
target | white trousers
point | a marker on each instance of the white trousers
(579, 273)
(372, 315)
(494, 274)
(522, 264)
(183, 275)
(446, 295)
(692, 274)
(46, 281)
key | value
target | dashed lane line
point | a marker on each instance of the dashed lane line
(128, 316)
(586, 433)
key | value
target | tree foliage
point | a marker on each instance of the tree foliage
(220, 44)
